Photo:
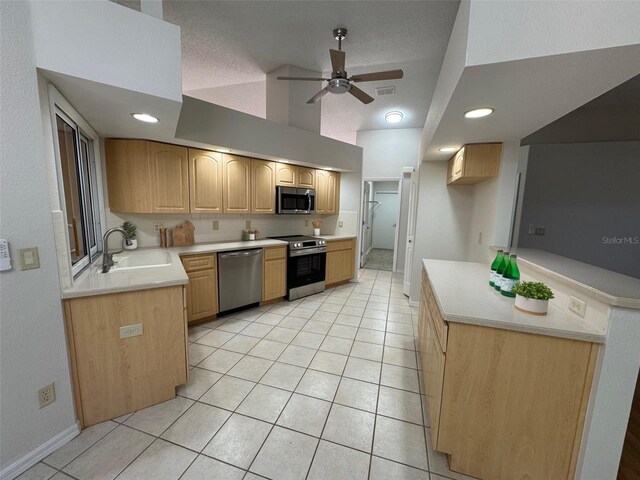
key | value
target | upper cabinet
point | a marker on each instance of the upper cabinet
(236, 184)
(288, 175)
(474, 163)
(205, 181)
(263, 186)
(327, 192)
(147, 177)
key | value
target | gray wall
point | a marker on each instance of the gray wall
(583, 195)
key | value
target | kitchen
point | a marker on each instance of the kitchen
(332, 375)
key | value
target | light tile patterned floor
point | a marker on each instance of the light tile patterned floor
(325, 387)
(379, 259)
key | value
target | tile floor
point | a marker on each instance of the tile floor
(325, 387)
(379, 259)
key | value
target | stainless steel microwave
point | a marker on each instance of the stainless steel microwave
(297, 201)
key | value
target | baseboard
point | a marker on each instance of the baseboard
(30, 459)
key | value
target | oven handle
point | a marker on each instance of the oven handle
(307, 251)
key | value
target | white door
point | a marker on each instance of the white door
(385, 219)
(411, 227)
(365, 242)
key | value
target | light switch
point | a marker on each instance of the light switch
(29, 258)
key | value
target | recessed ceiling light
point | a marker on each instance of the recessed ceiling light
(328, 168)
(145, 117)
(393, 117)
(448, 149)
(223, 150)
(479, 112)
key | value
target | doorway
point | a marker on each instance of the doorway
(380, 217)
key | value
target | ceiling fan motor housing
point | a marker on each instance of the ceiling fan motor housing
(339, 85)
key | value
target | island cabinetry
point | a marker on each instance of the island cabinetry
(127, 351)
(501, 403)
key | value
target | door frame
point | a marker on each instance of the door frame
(398, 180)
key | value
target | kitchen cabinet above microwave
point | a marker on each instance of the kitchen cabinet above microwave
(474, 163)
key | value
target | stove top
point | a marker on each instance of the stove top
(297, 242)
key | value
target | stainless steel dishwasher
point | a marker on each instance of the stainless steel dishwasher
(239, 278)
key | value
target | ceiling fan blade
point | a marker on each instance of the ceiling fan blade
(360, 95)
(370, 77)
(303, 78)
(318, 95)
(337, 60)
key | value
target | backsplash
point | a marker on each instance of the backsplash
(230, 226)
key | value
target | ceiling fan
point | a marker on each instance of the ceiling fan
(339, 81)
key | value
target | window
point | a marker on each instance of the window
(79, 182)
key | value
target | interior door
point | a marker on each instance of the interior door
(365, 244)
(385, 220)
(411, 227)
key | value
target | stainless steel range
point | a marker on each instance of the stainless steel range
(306, 264)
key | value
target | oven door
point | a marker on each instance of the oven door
(306, 273)
(295, 200)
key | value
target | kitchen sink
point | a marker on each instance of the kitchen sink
(140, 260)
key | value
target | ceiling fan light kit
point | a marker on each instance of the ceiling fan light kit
(340, 82)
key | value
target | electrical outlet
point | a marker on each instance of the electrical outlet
(306, 223)
(577, 306)
(340, 224)
(247, 224)
(215, 225)
(134, 330)
(46, 395)
(540, 231)
(480, 238)
(157, 227)
(532, 229)
(29, 258)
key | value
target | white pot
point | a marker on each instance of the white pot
(531, 305)
(133, 246)
(316, 232)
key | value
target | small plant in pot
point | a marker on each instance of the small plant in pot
(532, 297)
(130, 228)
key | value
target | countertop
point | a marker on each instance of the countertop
(463, 295)
(329, 238)
(607, 286)
(93, 282)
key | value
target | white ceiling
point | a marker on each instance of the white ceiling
(227, 44)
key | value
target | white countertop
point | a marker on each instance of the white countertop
(463, 295)
(329, 238)
(607, 286)
(93, 282)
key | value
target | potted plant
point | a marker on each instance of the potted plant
(532, 297)
(130, 228)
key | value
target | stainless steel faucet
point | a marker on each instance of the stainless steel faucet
(107, 258)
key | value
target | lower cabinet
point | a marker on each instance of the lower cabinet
(274, 273)
(114, 373)
(340, 261)
(202, 290)
(503, 404)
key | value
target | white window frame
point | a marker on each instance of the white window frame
(60, 107)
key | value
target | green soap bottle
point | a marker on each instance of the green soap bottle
(511, 276)
(500, 271)
(494, 267)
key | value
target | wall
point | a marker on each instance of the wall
(386, 152)
(584, 195)
(33, 349)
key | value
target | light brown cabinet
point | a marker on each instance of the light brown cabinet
(112, 375)
(503, 404)
(340, 261)
(205, 181)
(147, 177)
(263, 186)
(236, 184)
(288, 175)
(202, 290)
(474, 163)
(327, 192)
(274, 273)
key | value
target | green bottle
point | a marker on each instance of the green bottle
(510, 277)
(500, 271)
(494, 266)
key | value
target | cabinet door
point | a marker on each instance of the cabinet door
(205, 181)
(169, 174)
(333, 193)
(457, 169)
(263, 192)
(286, 175)
(321, 191)
(128, 176)
(433, 361)
(306, 177)
(202, 295)
(236, 186)
(274, 284)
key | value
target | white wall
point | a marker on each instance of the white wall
(386, 152)
(33, 349)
